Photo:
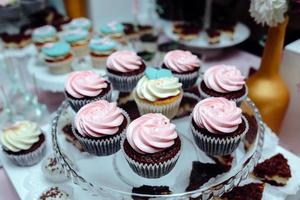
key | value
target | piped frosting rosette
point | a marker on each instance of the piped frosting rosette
(218, 125)
(84, 87)
(99, 127)
(158, 92)
(184, 65)
(151, 134)
(222, 80)
(18, 140)
(124, 69)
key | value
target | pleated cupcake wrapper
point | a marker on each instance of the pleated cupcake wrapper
(237, 100)
(98, 62)
(60, 67)
(146, 170)
(102, 147)
(28, 159)
(169, 110)
(216, 146)
(124, 83)
(76, 104)
(80, 51)
(187, 80)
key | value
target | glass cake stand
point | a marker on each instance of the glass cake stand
(110, 177)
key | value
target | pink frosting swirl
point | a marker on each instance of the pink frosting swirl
(85, 84)
(224, 78)
(98, 119)
(124, 61)
(181, 61)
(217, 115)
(151, 133)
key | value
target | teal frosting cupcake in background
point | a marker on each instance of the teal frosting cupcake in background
(114, 30)
(43, 35)
(58, 57)
(100, 49)
(78, 39)
(81, 23)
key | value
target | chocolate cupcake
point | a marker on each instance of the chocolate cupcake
(83, 87)
(99, 127)
(152, 145)
(124, 69)
(183, 65)
(23, 143)
(218, 126)
(224, 81)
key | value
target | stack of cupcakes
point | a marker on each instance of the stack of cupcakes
(183, 65)
(84, 87)
(158, 92)
(124, 69)
(224, 81)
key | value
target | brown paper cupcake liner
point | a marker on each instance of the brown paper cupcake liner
(146, 170)
(169, 110)
(76, 104)
(124, 83)
(216, 146)
(102, 147)
(187, 80)
(237, 100)
(28, 159)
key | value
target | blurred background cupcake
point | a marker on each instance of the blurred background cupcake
(158, 92)
(43, 35)
(99, 126)
(152, 145)
(183, 65)
(224, 81)
(78, 40)
(23, 143)
(81, 23)
(83, 87)
(100, 49)
(58, 57)
(124, 69)
(218, 125)
(115, 30)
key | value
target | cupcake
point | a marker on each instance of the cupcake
(43, 35)
(81, 23)
(218, 125)
(224, 81)
(58, 57)
(100, 49)
(83, 87)
(213, 36)
(183, 65)
(149, 42)
(79, 40)
(23, 143)
(158, 92)
(99, 127)
(152, 145)
(114, 30)
(124, 69)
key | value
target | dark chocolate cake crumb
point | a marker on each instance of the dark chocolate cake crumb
(252, 191)
(150, 190)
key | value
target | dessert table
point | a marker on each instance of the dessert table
(236, 57)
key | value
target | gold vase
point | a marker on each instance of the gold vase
(75, 8)
(266, 88)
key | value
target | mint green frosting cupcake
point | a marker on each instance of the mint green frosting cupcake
(102, 45)
(112, 28)
(43, 33)
(81, 23)
(56, 49)
(75, 35)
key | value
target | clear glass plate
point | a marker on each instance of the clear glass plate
(110, 177)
